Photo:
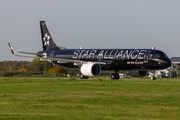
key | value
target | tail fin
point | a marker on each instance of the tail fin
(47, 40)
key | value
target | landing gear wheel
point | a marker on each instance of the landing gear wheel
(153, 75)
(114, 76)
(153, 78)
(83, 77)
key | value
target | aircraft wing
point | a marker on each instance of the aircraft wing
(16, 53)
(76, 62)
(59, 60)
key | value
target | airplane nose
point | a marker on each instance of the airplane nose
(167, 63)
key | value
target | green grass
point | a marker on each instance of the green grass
(93, 99)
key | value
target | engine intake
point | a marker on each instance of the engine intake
(137, 73)
(90, 69)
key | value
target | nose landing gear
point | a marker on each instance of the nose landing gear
(153, 78)
(152, 75)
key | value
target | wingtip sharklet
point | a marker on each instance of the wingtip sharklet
(16, 53)
(11, 48)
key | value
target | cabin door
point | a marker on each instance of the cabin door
(52, 54)
(146, 56)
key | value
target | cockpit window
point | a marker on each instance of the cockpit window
(164, 55)
(156, 56)
(160, 56)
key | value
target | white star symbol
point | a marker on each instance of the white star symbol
(46, 39)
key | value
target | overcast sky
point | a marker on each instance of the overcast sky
(90, 24)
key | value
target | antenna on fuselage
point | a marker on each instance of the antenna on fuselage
(153, 48)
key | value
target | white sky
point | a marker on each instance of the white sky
(90, 24)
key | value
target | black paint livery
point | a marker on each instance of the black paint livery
(92, 61)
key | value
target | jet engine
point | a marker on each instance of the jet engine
(137, 73)
(90, 69)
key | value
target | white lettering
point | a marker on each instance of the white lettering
(110, 55)
(85, 54)
(134, 54)
(141, 54)
(92, 53)
(100, 55)
(81, 52)
(76, 52)
(105, 55)
(120, 54)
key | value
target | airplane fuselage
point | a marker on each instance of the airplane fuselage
(116, 59)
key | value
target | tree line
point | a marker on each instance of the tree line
(30, 68)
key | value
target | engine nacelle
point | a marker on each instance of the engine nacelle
(137, 73)
(90, 69)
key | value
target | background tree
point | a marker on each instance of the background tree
(28, 68)
(57, 71)
(36, 65)
(22, 70)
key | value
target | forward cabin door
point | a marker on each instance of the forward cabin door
(146, 56)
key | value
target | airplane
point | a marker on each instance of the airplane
(91, 62)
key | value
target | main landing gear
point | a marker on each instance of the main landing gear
(115, 75)
(83, 77)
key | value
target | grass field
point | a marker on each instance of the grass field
(93, 99)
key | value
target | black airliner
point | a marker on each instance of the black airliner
(91, 61)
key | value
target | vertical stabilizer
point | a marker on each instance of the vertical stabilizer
(47, 40)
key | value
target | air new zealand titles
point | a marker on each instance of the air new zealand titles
(91, 62)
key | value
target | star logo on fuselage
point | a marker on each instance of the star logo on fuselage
(46, 39)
